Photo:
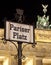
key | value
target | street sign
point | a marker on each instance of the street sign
(19, 32)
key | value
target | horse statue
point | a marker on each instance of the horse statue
(42, 22)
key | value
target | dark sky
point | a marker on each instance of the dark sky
(31, 8)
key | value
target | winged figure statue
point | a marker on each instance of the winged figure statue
(44, 8)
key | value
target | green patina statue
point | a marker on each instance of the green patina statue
(43, 22)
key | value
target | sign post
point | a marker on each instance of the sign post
(19, 53)
(19, 33)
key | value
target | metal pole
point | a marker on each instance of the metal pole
(19, 53)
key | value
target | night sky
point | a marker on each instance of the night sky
(31, 8)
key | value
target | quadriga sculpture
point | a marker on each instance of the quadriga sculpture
(42, 22)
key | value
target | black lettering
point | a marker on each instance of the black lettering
(16, 28)
(23, 30)
(15, 35)
(25, 37)
(27, 30)
(11, 26)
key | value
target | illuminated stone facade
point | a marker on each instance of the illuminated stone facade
(37, 54)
